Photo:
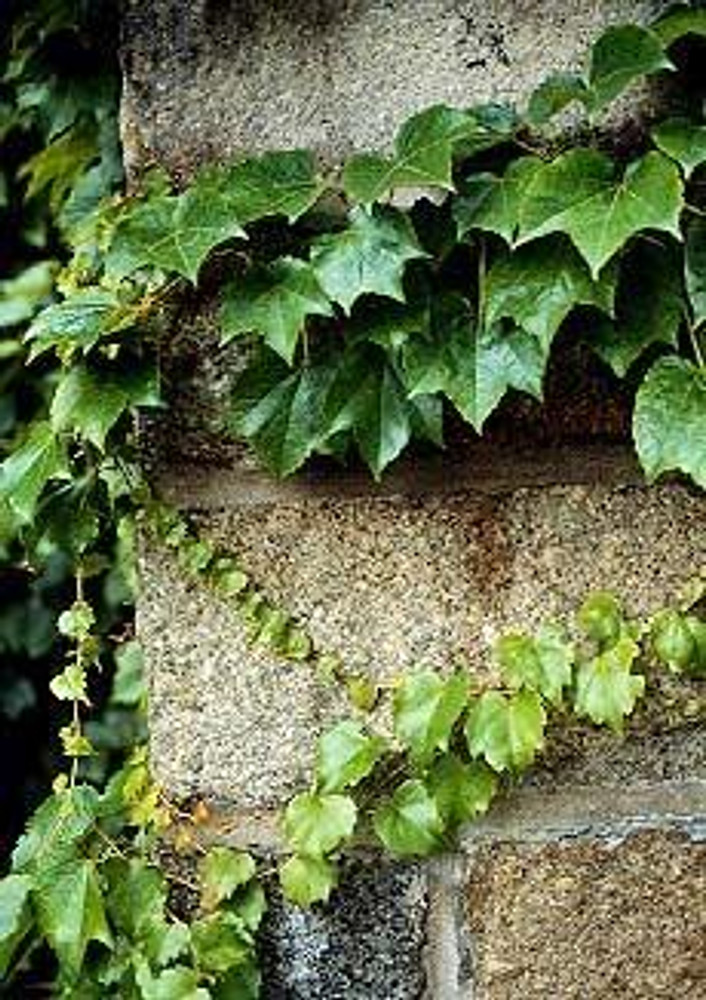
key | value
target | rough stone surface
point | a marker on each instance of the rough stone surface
(589, 921)
(206, 79)
(367, 945)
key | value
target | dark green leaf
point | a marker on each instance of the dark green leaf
(622, 55)
(507, 730)
(274, 302)
(27, 470)
(78, 323)
(15, 916)
(307, 880)
(368, 257)
(347, 754)
(316, 824)
(695, 269)
(684, 20)
(129, 682)
(669, 422)
(461, 791)
(70, 912)
(56, 830)
(410, 822)
(221, 871)
(577, 194)
(493, 203)
(543, 664)
(426, 707)
(683, 141)
(278, 183)
(606, 690)
(554, 94)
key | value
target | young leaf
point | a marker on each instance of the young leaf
(461, 791)
(315, 824)
(554, 94)
(78, 323)
(506, 730)
(601, 618)
(346, 755)
(368, 257)
(695, 269)
(492, 203)
(472, 368)
(621, 55)
(220, 942)
(307, 880)
(274, 302)
(15, 916)
(673, 640)
(27, 470)
(221, 871)
(426, 707)
(576, 194)
(423, 154)
(177, 983)
(543, 664)
(606, 690)
(410, 822)
(649, 307)
(669, 421)
(537, 286)
(70, 911)
(682, 141)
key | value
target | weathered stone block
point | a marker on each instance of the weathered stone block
(206, 80)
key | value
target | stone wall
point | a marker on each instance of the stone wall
(587, 882)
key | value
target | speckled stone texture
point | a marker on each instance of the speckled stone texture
(589, 921)
(367, 945)
(206, 79)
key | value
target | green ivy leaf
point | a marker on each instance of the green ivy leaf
(577, 194)
(684, 20)
(129, 682)
(315, 824)
(90, 401)
(507, 730)
(346, 755)
(307, 880)
(222, 871)
(274, 302)
(673, 640)
(21, 296)
(492, 203)
(606, 690)
(368, 257)
(15, 916)
(649, 307)
(136, 902)
(461, 791)
(537, 286)
(542, 664)
(78, 323)
(58, 166)
(27, 470)
(70, 911)
(554, 94)
(410, 822)
(178, 983)
(682, 141)
(56, 830)
(277, 183)
(472, 368)
(221, 942)
(601, 618)
(669, 421)
(622, 55)
(426, 707)
(424, 150)
(70, 684)
(695, 269)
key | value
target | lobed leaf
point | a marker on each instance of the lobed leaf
(28, 469)
(315, 823)
(555, 94)
(426, 708)
(606, 690)
(307, 880)
(542, 664)
(461, 791)
(492, 203)
(622, 55)
(221, 871)
(70, 911)
(507, 730)
(410, 822)
(682, 141)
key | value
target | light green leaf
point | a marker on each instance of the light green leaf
(21, 296)
(346, 755)
(493, 203)
(673, 640)
(368, 257)
(221, 942)
(307, 880)
(91, 401)
(274, 302)
(577, 194)
(136, 902)
(554, 94)
(58, 165)
(537, 286)
(424, 150)
(622, 55)
(684, 20)
(426, 707)
(669, 421)
(542, 664)
(70, 912)
(649, 306)
(410, 822)
(473, 368)
(129, 682)
(683, 141)
(15, 916)
(56, 830)
(695, 269)
(606, 690)
(27, 470)
(178, 983)
(221, 871)
(70, 684)
(461, 791)
(600, 617)
(78, 323)
(315, 824)
(506, 730)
